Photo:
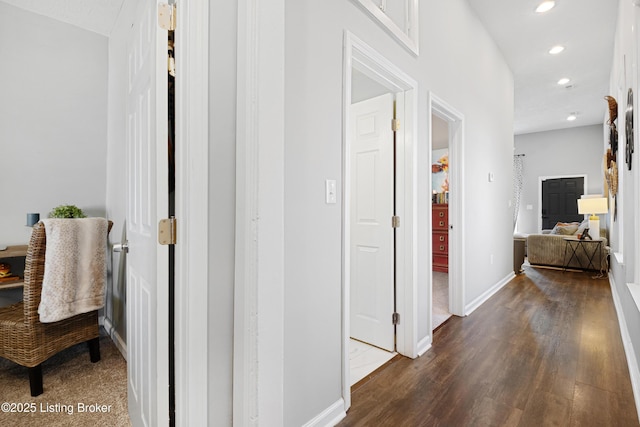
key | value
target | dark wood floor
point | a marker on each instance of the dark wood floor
(544, 351)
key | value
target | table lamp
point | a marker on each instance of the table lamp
(593, 206)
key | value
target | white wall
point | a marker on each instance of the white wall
(222, 158)
(53, 119)
(363, 87)
(574, 151)
(623, 231)
(463, 67)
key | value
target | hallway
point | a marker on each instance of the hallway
(545, 350)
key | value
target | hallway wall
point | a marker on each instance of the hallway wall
(464, 68)
(624, 229)
(461, 64)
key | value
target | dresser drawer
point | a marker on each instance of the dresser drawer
(440, 218)
(440, 243)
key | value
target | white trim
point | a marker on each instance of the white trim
(634, 290)
(409, 38)
(120, 344)
(424, 345)
(329, 417)
(545, 178)
(406, 235)
(192, 206)
(635, 196)
(258, 358)
(457, 275)
(473, 305)
(349, 64)
(359, 55)
(634, 369)
(159, 413)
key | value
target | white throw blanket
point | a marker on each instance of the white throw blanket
(75, 271)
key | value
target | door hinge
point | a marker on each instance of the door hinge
(167, 231)
(395, 125)
(395, 318)
(167, 16)
(395, 221)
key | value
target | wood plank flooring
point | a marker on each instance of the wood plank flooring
(544, 351)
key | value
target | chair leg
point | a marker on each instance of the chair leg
(35, 380)
(94, 349)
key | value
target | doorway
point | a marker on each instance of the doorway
(372, 244)
(560, 200)
(443, 117)
(440, 190)
(385, 80)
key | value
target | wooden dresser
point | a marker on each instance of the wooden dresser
(15, 257)
(440, 237)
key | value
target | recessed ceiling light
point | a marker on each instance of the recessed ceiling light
(564, 81)
(545, 6)
(556, 50)
(572, 117)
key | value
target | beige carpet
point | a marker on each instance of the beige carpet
(76, 391)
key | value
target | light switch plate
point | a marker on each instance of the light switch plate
(331, 196)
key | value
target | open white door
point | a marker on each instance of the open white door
(371, 246)
(147, 200)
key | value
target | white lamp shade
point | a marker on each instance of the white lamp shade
(592, 206)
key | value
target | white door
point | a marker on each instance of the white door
(147, 200)
(371, 246)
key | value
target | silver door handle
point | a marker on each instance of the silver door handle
(121, 247)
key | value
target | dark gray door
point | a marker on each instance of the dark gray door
(560, 201)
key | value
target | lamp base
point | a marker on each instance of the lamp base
(594, 228)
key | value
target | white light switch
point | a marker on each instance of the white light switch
(529, 207)
(491, 177)
(330, 190)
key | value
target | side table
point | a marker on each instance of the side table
(573, 244)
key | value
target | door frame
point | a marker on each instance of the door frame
(457, 278)
(192, 207)
(545, 178)
(360, 55)
(258, 329)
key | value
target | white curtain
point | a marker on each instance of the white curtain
(518, 163)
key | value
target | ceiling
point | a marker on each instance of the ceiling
(98, 16)
(585, 28)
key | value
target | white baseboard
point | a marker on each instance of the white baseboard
(115, 336)
(424, 344)
(634, 369)
(471, 307)
(330, 416)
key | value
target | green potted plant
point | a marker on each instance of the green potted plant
(67, 211)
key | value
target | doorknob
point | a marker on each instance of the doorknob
(121, 247)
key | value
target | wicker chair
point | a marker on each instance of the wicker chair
(26, 341)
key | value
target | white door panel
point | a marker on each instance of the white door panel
(372, 297)
(147, 171)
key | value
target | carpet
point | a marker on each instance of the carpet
(76, 391)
